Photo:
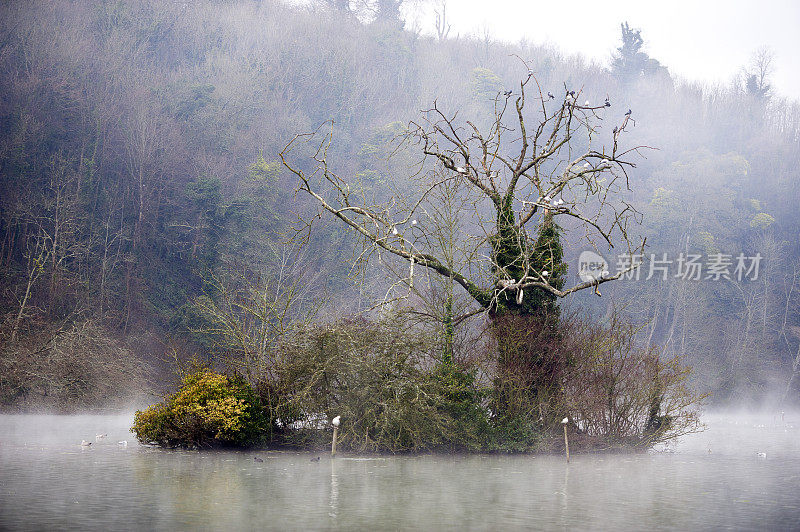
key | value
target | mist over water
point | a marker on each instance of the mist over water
(49, 481)
(155, 157)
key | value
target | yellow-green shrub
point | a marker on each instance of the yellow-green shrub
(209, 409)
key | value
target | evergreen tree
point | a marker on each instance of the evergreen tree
(388, 12)
(630, 62)
(543, 255)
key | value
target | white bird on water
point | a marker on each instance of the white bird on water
(85, 443)
(99, 437)
(123, 443)
(762, 455)
(335, 422)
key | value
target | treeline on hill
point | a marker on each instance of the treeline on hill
(139, 170)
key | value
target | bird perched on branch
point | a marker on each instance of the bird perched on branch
(608, 103)
(628, 113)
(508, 93)
(550, 95)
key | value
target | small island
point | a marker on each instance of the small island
(395, 374)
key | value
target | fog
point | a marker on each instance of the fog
(711, 480)
(710, 49)
(382, 210)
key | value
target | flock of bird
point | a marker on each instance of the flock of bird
(570, 96)
(100, 437)
(337, 420)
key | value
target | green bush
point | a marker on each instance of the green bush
(208, 410)
(462, 400)
(389, 394)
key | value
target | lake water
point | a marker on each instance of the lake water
(48, 481)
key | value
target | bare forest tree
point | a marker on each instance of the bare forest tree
(443, 25)
(758, 73)
(517, 176)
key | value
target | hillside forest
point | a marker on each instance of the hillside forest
(152, 216)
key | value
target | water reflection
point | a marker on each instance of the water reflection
(49, 481)
(334, 498)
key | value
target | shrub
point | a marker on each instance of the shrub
(208, 410)
(621, 394)
(78, 367)
(389, 394)
(614, 393)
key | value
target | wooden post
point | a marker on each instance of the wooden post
(566, 440)
(335, 424)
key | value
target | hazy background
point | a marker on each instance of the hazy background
(698, 41)
(139, 150)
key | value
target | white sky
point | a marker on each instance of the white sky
(697, 40)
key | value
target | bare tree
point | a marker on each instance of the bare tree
(37, 254)
(246, 314)
(552, 171)
(442, 24)
(761, 67)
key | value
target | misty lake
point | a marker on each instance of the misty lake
(48, 481)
